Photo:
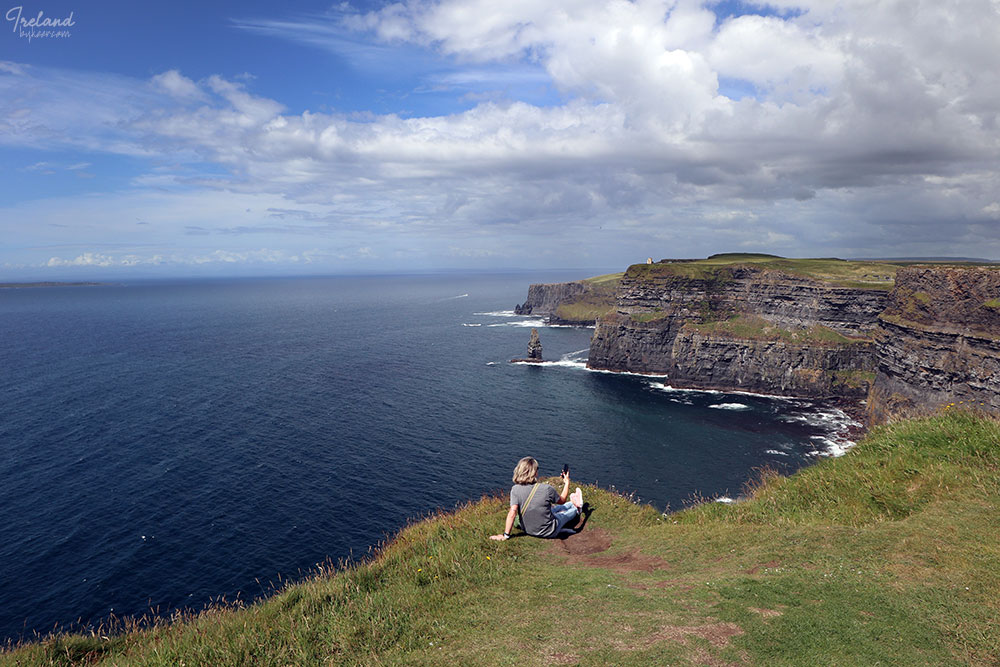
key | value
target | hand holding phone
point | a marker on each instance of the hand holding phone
(565, 472)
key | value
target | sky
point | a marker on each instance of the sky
(263, 138)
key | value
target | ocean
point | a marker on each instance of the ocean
(169, 444)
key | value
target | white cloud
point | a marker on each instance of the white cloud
(866, 118)
(177, 85)
(777, 54)
(86, 259)
(259, 256)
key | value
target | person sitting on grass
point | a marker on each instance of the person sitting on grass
(544, 513)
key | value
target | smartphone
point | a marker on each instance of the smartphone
(565, 468)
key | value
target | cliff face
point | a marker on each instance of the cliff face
(772, 366)
(778, 333)
(784, 299)
(544, 298)
(938, 343)
(576, 303)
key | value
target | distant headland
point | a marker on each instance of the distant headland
(908, 337)
(47, 284)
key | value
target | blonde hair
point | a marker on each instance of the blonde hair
(526, 471)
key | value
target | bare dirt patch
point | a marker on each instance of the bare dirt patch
(634, 561)
(717, 634)
(769, 564)
(579, 550)
(590, 541)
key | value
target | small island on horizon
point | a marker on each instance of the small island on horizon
(48, 283)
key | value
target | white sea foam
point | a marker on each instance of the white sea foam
(667, 387)
(831, 446)
(836, 422)
(522, 323)
(726, 500)
(568, 360)
(499, 313)
(452, 298)
(837, 447)
(464, 324)
(833, 420)
(491, 363)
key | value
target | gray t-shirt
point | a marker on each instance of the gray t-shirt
(537, 516)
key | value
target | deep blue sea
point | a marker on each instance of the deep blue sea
(166, 444)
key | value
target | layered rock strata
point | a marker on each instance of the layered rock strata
(938, 343)
(796, 336)
(784, 299)
(544, 298)
(576, 303)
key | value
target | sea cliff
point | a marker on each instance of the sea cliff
(544, 298)
(938, 343)
(909, 339)
(578, 303)
(741, 326)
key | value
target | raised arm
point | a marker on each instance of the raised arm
(565, 492)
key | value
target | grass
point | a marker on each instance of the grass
(839, 272)
(887, 555)
(650, 316)
(750, 327)
(609, 279)
(597, 301)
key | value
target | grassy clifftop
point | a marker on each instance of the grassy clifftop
(887, 555)
(845, 273)
(597, 301)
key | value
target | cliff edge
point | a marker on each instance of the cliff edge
(885, 556)
(938, 343)
(578, 303)
(769, 326)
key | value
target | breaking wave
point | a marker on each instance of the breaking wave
(499, 313)
(522, 323)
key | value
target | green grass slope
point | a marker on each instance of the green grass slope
(888, 555)
(844, 273)
(589, 306)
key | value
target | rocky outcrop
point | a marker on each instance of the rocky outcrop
(938, 343)
(784, 299)
(575, 303)
(771, 366)
(534, 346)
(695, 360)
(544, 298)
(800, 336)
(932, 342)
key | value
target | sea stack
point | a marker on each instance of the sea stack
(534, 351)
(534, 347)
